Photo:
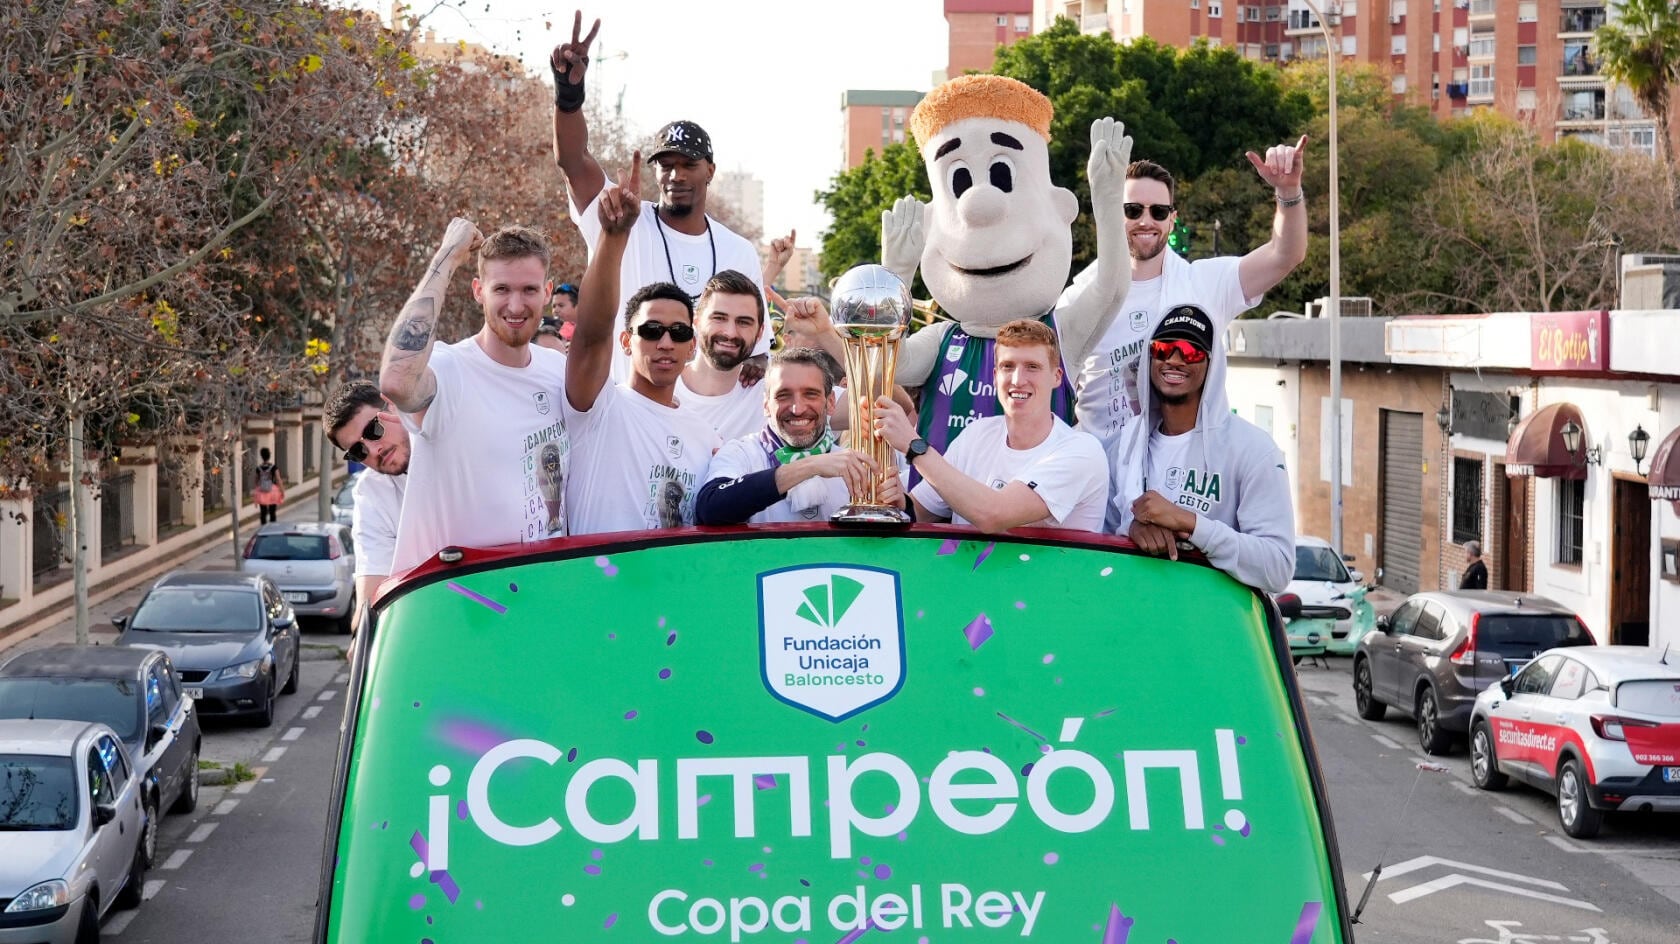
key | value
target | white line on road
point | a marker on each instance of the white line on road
(177, 859)
(1463, 787)
(1511, 814)
(292, 734)
(310, 712)
(118, 923)
(274, 753)
(1566, 845)
(245, 787)
(1424, 862)
(153, 886)
(203, 832)
(1346, 718)
(225, 807)
(1387, 742)
(1449, 881)
(326, 695)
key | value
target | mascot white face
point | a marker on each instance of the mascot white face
(999, 237)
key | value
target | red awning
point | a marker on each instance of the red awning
(1664, 480)
(1536, 445)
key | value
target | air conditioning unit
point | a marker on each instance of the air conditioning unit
(1355, 306)
(1397, 18)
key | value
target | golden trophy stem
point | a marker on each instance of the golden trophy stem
(871, 363)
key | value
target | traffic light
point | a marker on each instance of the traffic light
(1179, 238)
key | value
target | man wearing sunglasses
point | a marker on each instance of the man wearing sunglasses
(361, 423)
(1224, 287)
(640, 455)
(1192, 471)
(674, 240)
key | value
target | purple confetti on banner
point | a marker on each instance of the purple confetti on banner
(1020, 604)
(611, 570)
(1308, 921)
(513, 588)
(592, 869)
(417, 842)
(703, 799)
(1105, 712)
(883, 872)
(756, 867)
(417, 902)
(630, 715)
(704, 737)
(671, 640)
(1218, 840)
(596, 854)
(1241, 739)
(446, 884)
(1035, 735)
(948, 546)
(1119, 927)
(987, 552)
(978, 631)
(470, 736)
(1247, 828)
(856, 933)
(612, 919)
(461, 810)
(664, 673)
(571, 755)
(661, 622)
(477, 597)
(764, 781)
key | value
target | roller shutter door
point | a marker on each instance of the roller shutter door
(1401, 478)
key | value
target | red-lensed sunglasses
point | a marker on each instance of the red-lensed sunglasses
(1162, 350)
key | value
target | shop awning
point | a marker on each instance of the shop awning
(1536, 445)
(1664, 480)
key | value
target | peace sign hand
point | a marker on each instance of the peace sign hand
(570, 60)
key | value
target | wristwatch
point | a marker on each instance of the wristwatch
(917, 449)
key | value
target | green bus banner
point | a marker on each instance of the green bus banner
(825, 736)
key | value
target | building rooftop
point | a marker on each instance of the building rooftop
(879, 97)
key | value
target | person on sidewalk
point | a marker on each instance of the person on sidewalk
(1475, 571)
(1192, 471)
(791, 469)
(270, 489)
(1026, 468)
(729, 324)
(488, 441)
(361, 422)
(641, 455)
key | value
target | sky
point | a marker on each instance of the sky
(763, 77)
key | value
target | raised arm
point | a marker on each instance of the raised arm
(1267, 265)
(1086, 317)
(570, 62)
(589, 362)
(404, 376)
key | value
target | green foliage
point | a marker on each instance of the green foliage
(1640, 49)
(856, 201)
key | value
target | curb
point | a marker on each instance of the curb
(214, 776)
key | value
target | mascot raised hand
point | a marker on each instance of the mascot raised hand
(995, 243)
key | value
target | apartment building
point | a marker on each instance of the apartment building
(872, 119)
(1529, 59)
(978, 28)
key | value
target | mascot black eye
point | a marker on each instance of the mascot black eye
(1001, 176)
(961, 179)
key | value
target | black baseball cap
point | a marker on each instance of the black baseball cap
(685, 138)
(1186, 323)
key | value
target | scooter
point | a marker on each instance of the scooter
(1312, 627)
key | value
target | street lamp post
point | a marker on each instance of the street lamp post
(1332, 47)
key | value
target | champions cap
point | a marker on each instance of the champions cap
(1186, 323)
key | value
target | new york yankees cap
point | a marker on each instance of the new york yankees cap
(685, 138)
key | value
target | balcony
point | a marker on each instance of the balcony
(1482, 9)
(1481, 92)
(1578, 65)
(1589, 112)
(1582, 20)
(1093, 23)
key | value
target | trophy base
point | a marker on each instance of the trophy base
(871, 516)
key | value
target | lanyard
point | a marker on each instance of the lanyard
(673, 269)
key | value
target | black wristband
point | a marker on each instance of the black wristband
(568, 97)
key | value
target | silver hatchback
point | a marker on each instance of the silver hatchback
(1440, 649)
(313, 563)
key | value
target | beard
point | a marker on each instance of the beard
(678, 210)
(724, 360)
(1173, 399)
(1160, 246)
(806, 441)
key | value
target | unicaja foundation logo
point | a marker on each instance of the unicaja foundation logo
(831, 639)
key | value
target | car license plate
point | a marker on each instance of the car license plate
(293, 597)
(1671, 774)
(195, 693)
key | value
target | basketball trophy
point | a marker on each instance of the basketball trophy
(870, 310)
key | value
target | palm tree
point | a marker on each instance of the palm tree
(1640, 48)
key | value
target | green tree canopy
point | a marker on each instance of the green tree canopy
(856, 201)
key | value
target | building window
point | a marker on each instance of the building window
(1398, 84)
(1571, 519)
(1397, 45)
(1216, 8)
(1528, 55)
(1528, 11)
(1526, 100)
(1467, 500)
(1023, 22)
(1003, 21)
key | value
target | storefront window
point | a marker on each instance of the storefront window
(1571, 502)
(1467, 500)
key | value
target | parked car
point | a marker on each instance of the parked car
(231, 635)
(344, 502)
(136, 693)
(313, 563)
(1440, 649)
(1597, 727)
(71, 818)
(1323, 579)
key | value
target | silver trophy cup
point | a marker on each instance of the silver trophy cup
(870, 311)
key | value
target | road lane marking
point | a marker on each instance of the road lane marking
(1387, 742)
(326, 695)
(310, 712)
(118, 923)
(1449, 881)
(203, 832)
(1424, 862)
(274, 754)
(177, 859)
(151, 888)
(1512, 815)
(225, 807)
(1566, 845)
(245, 787)
(1463, 787)
(292, 734)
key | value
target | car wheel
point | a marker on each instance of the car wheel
(149, 831)
(1484, 764)
(87, 928)
(1369, 707)
(291, 680)
(187, 800)
(1433, 738)
(1575, 812)
(135, 888)
(265, 715)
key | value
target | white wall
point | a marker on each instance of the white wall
(1252, 384)
(1665, 596)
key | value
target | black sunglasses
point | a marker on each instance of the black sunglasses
(372, 432)
(654, 330)
(1157, 211)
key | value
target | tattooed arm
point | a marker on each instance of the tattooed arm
(404, 377)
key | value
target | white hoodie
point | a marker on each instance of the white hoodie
(1250, 533)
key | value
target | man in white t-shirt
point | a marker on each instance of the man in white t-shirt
(791, 469)
(1026, 468)
(361, 423)
(729, 322)
(487, 435)
(674, 240)
(641, 455)
(1224, 287)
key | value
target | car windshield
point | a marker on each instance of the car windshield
(1519, 636)
(1319, 563)
(37, 793)
(188, 610)
(288, 547)
(108, 701)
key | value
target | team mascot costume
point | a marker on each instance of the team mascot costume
(995, 243)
